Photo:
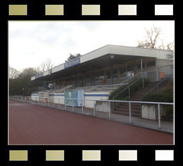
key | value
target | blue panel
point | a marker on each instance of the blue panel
(72, 62)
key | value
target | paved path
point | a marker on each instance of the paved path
(33, 124)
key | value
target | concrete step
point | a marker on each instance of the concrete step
(127, 113)
(127, 107)
(132, 104)
(123, 109)
(127, 110)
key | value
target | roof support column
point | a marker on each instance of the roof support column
(158, 69)
(112, 57)
(111, 74)
(141, 65)
(92, 78)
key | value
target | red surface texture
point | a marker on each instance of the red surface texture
(32, 124)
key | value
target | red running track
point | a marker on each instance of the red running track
(32, 124)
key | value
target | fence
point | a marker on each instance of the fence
(104, 109)
(161, 84)
(152, 75)
(167, 69)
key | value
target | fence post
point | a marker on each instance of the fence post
(143, 82)
(130, 112)
(82, 104)
(58, 103)
(109, 109)
(65, 102)
(72, 105)
(94, 108)
(159, 116)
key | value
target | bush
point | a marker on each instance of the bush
(125, 94)
(165, 95)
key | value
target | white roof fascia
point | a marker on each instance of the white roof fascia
(94, 54)
(58, 68)
(48, 72)
(32, 78)
(124, 50)
(136, 51)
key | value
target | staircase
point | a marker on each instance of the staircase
(123, 108)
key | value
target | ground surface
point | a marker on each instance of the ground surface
(33, 124)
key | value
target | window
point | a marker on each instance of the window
(139, 65)
(150, 63)
(122, 70)
(129, 68)
(114, 72)
(108, 74)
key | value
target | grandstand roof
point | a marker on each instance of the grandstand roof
(99, 58)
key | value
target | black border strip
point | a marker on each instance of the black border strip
(73, 154)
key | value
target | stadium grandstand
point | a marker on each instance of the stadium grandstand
(98, 73)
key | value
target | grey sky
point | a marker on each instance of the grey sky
(32, 42)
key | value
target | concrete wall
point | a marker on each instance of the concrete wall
(35, 96)
(151, 111)
(59, 98)
(95, 96)
(56, 98)
(103, 106)
(163, 62)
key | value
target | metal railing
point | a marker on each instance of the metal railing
(131, 78)
(152, 75)
(104, 109)
(168, 69)
(142, 75)
(155, 89)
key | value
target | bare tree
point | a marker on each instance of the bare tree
(46, 65)
(170, 46)
(13, 73)
(28, 72)
(152, 38)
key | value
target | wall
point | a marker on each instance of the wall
(35, 96)
(95, 96)
(161, 62)
(56, 98)
(151, 111)
(59, 98)
(103, 106)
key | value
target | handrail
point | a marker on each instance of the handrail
(118, 101)
(131, 83)
(159, 83)
(131, 78)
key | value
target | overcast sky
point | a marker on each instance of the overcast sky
(33, 42)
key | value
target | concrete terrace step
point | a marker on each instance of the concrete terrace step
(136, 114)
(127, 107)
(127, 110)
(123, 109)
